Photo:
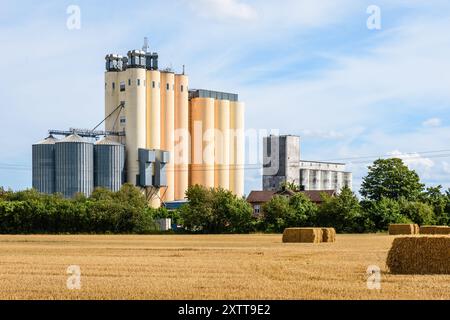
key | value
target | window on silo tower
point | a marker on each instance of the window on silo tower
(122, 86)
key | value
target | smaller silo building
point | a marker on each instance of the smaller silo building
(109, 164)
(74, 166)
(44, 165)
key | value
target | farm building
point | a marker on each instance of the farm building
(258, 198)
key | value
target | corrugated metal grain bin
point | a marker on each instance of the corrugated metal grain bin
(109, 164)
(74, 158)
(44, 165)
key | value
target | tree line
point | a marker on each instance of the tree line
(391, 194)
(122, 212)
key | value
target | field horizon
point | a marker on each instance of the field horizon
(175, 267)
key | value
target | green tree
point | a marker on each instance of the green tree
(382, 213)
(276, 212)
(342, 212)
(439, 201)
(290, 186)
(391, 178)
(417, 212)
(197, 213)
(215, 211)
(303, 211)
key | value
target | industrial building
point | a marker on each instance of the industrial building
(283, 164)
(160, 136)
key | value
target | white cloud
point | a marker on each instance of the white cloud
(433, 122)
(446, 167)
(224, 9)
(323, 134)
(413, 160)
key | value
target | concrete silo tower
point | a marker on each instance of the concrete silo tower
(181, 148)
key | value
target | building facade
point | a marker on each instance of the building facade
(282, 164)
(202, 130)
(160, 136)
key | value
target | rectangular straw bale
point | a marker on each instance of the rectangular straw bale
(307, 235)
(328, 235)
(434, 230)
(420, 255)
(397, 229)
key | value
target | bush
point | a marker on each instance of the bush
(28, 211)
(342, 212)
(417, 212)
(382, 213)
(282, 212)
(215, 211)
(275, 214)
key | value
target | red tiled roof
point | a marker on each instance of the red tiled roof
(260, 196)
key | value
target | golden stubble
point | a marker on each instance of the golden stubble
(205, 267)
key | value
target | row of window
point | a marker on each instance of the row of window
(327, 165)
(138, 82)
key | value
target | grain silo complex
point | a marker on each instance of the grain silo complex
(158, 135)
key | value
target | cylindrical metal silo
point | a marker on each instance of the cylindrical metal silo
(44, 165)
(222, 144)
(237, 152)
(168, 129)
(109, 164)
(181, 136)
(136, 120)
(74, 169)
(202, 142)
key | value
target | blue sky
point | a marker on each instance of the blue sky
(303, 67)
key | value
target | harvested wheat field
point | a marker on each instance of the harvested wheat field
(205, 267)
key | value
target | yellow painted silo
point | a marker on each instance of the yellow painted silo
(168, 129)
(153, 84)
(222, 144)
(181, 136)
(111, 98)
(237, 147)
(202, 142)
(153, 109)
(135, 112)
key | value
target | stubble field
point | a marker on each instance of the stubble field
(204, 267)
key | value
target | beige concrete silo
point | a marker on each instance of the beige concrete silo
(153, 84)
(202, 142)
(111, 99)
(168, 129)
(153, 109)
(135, 112)
(237, 147)
(181, 136)
(222, 144)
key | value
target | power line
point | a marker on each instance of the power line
(364, 159)
(389, 155)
